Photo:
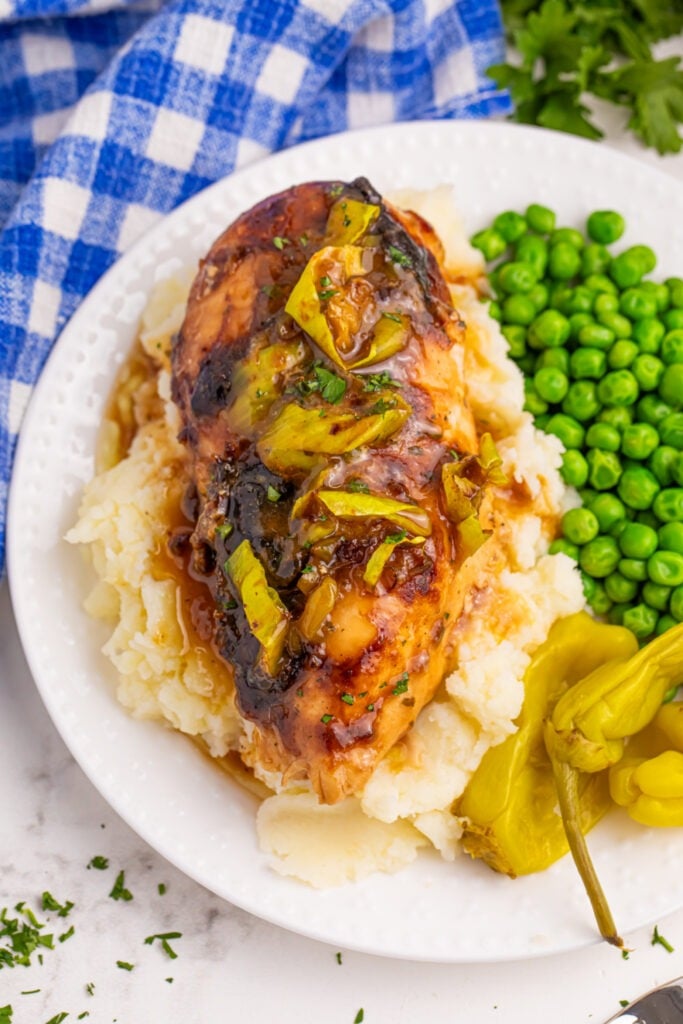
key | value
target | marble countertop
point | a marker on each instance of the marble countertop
(231, 965)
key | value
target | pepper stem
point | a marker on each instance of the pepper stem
(566, 784)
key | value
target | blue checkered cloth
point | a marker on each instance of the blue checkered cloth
(112, 113)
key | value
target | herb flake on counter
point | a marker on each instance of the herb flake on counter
(119, 891)
(169, 980)
(58, 1018)
(623, 1002)
(29, 992)
(50, 903)
(339, 958)
(163, 938)
(161, 888)
(360, 1017)
(659, 940)
(90, 988)
(6, 1014)
(86, 1013)
(124, 965)
(21, 938)
(66, 935)
(99, 863)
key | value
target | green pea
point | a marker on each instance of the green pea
(541, 421)
(533, 402)
(489, 242)
(662, 463)
(562, 546)
(589, 585)
(599, 557)
(605, 436)
(648, 370)
(550, 329)
(633, 569)
(587, 495)
(622, 354)
(515, 335)
(617, 612)
(601, 283)
(638, 488)
(510, 225)
(675, 286)
(648, 518)
(587, 364)
(637, 304)
(576, 322)
(608, 510)
(595, 259)
(579, 526)
(651, 409)
(599, 601)
(660, 292)
(677, 469)
(527, 363)
(604, 469)
(629, 267)
(564, 261)
(620, 325)
(664, 622)
(569, 431)
(560, 296)
(638, 541)
(648, 334)
(551, 384)
(620, 589)
(539, 295)
(641, 620)
(574, 469)
(495, 312)
(582, 300)
(672, 347)
(671, 430)
(605, 226)
(673, 319)
(568, 236)
(618, 416)
(518, 309)
(666, 568)
(619, 387)
(596, 336)
(671, 537)
(639, 441)
(533, 250)
(656, 595)
(581, 401)
(557, 357)
(605, 303)
(516, 277)
(540, 218)
(676, 604)
(668, 505)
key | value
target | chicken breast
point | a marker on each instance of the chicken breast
(339, 499)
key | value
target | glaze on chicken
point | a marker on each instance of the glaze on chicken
(337, 474)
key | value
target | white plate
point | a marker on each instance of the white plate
(172, 796)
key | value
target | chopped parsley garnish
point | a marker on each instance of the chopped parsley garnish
(381, 406)
(6, 1014)
(223, 530)
(659, 940)
(395, 538)
(348, 698)
(331, 387)
(279, 242)
(161, 888)
(360, 1017)
(328, 293)
(339, 958)
(19, 939)
(66, 935)
(392, 316)
(119, 891)
(90, 988)
(124, 966)
(325, 282)
(102, 863)
(163, 938)
(336, 190)
(272, 494)
(86, 1013)
(399, 257)
(326, 718)
(357, 486)
(169, 980)
(401, 685)
(380, 381)
(29, 991)
(50, 903)
(625, 954)
(623, 1002)
(303, 240)
(370, 707)
(307, 570)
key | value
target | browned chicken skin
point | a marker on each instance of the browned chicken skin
(290, 441)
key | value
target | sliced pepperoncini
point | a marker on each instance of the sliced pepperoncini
(267, 617)
(382, 553)
(348, 505)
(254, 384)
(348, 220)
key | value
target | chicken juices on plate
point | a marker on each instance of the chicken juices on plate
(341, 493)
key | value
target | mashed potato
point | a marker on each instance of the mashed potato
(124, 520)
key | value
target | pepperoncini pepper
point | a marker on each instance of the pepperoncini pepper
(509, 808)
(648, 781)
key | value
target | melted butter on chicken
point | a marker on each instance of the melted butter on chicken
(341, 494)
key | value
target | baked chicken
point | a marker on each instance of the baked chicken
(338, 476)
